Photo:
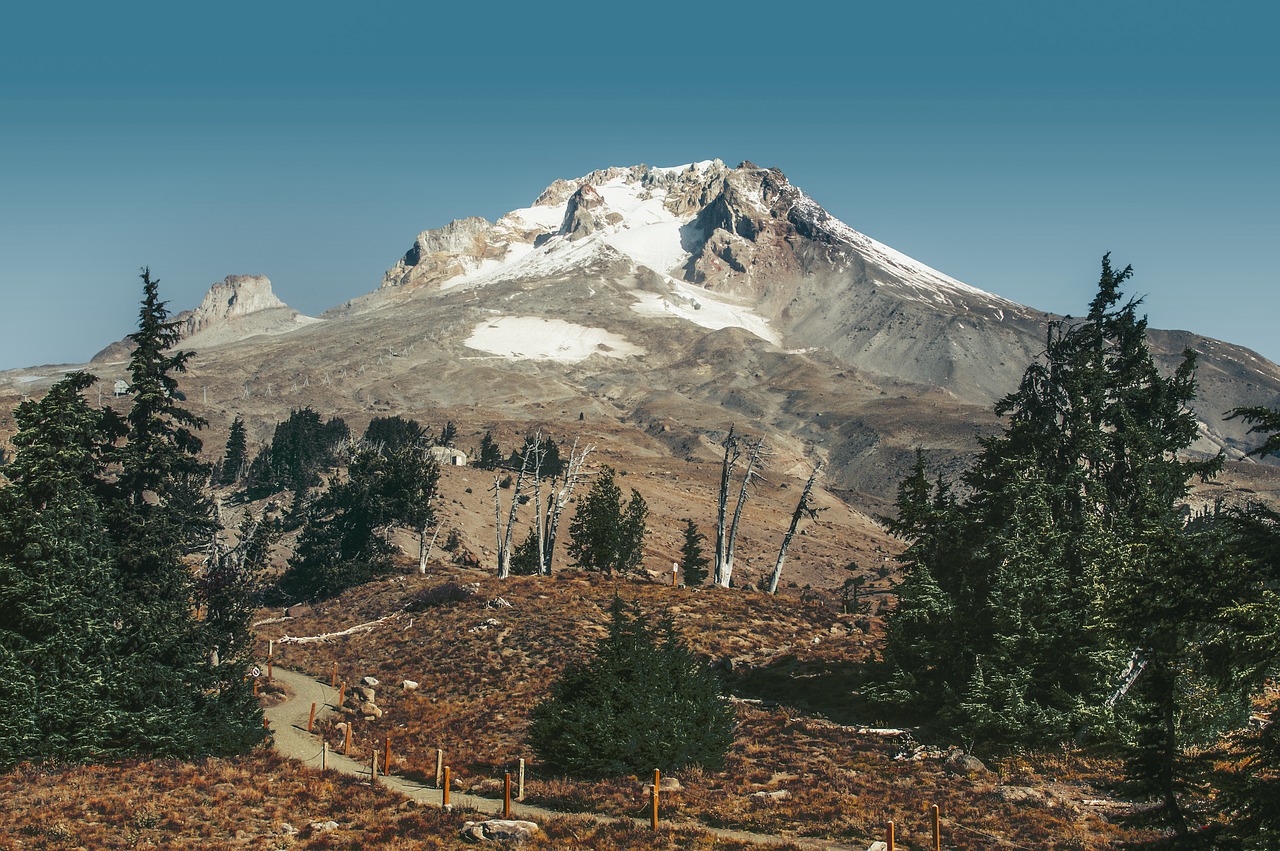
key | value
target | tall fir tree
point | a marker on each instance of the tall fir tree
(607, 535)
(693, 563)
(236, 455)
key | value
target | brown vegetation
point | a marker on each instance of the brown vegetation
(482, 665)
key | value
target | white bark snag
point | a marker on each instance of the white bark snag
(802, 508)
(731, 455)
(424, 554)
(504, 534)
(732, 538)
(572, 476)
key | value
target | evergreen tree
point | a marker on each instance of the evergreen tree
(1010, 625)
(394, 433)
(343, 542)
(524, 558)
(606, 535)
(490, 456)
(448, 434)
(642, 701)
(302, 447)
(693, 564)
(236, 455)
(59, 636)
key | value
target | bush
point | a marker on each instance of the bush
(643, 701)
(438, 595)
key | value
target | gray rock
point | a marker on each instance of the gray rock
(499, 830)
(962, 763)
(776, 795)
(323, 826)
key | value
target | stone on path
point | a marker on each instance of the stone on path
(499, 830)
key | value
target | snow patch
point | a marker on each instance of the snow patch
(535, 338)
(696, 305)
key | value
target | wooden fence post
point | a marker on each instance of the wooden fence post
(342, 695)
(506, 797)
(333, 678)
(346, 749)
(444, 800)
(520, 790)
(888, 835)
(312, 719)
(675, 567)
(386, 757)
(657, 778)
(373, 765)
(937, 829)
(439, 767)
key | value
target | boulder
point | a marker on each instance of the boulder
(323, 826)
(776, 795)
(409, 685)
(371, 682)
(499, 830)
(366, 694)
(369, 710)
(666, 784)
(959, 762)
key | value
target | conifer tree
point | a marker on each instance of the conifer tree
(642, 701)
(236, 455)
(606, 535)
(693, 564)
(490, 456)
(60, 640)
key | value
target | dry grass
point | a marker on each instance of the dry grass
(258, 801)
(482, 668)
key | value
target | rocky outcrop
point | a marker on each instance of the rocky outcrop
(583, 213)
(237, 307)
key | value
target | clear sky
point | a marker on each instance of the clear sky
(1008, 144)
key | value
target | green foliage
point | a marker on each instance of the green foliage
(236, 455)
(524, 558)
(607, 535)
(448, 434)
(642, 701)
(394, 433)
(551, 465)
(490, 456)
(343, 542)
(693, 564)
(1021, 603)
(302, 447)
(101, 653)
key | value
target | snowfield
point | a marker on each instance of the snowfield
(695, 305)
(535, 338)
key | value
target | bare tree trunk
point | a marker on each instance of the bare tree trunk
(802, 508)
(732, 538)
(731, 455)
(497, 516)
(572, 475)
(504, 535)
(424, 553)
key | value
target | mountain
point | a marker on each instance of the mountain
(653, 308)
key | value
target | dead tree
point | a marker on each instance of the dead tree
(803, 508)
(728, 539)
(504, 532)
(731, 455)
(573, 474)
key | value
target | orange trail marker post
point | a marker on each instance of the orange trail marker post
(342, 694)
(444, 799)
(311, 720)
(346, 749)
(373, 765)
(386, 756)
(888, 835)
(657, 777)
(506, 798)
(937, 828)
(675, 568)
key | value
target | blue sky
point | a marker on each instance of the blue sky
(1006, 145)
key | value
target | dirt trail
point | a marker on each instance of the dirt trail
(288, 722)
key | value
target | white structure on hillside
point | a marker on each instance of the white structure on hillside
(447, 456)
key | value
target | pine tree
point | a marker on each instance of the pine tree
(642, 701)
(693, 564)
(236, 455)
(343, 542)
(606, 535)
(59, 636)
(490, 456)
(1011, 622)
